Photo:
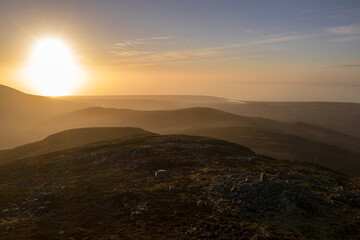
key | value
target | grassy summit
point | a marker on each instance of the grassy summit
(108, 191)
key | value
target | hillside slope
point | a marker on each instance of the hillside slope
(339, 116)
(283, 146)
(214, 190)
(70, 139)
(191, 118)
(20, 112)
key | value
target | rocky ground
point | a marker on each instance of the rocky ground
(212, 189)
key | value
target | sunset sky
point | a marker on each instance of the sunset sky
(248, 50)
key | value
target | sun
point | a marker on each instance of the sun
(52, 69)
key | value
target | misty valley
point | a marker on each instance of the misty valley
(87, 167)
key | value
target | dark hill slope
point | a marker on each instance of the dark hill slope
(341, 117)
(70, 139)
(283, 146)
(107, 191)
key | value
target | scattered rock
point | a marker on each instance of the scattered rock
(226, 201)
(263, 177)
(161, 174)
(200, 203)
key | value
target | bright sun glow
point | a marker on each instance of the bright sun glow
(52, 69)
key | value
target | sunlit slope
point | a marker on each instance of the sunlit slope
(19, 112)
(70, 139)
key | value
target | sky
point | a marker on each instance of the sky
(277, 50)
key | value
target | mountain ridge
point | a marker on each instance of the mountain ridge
(167, 121)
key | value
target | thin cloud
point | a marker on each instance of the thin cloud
(345, 65)
(331, 13)
(347, 39)
(242, 57)
(129, 52)
(264, 41)
(350, 65)
(346, 30)
(173, 56)
(140, 41)
(345, 33)
(126, 48)
(180, 57)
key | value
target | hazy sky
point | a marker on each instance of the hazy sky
(250, 50)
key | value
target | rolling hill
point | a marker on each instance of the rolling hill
(70, 139)
(283, 146)
(294, 141)
(188, 119)
(338, 116)
(27, 118)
